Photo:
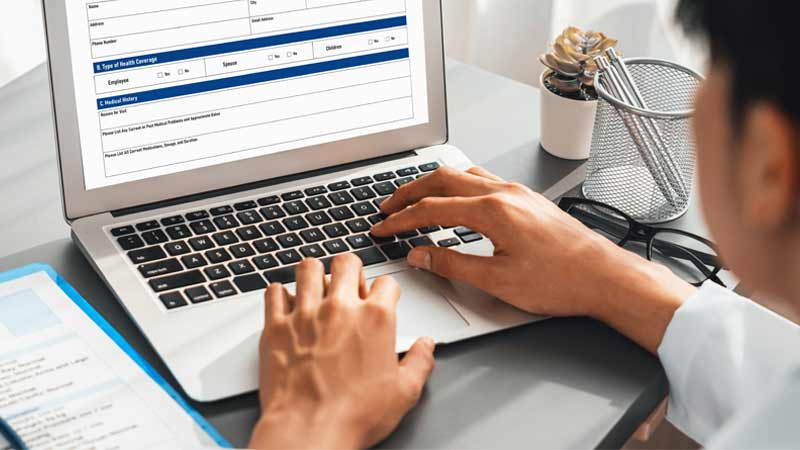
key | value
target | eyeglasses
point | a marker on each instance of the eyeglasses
(691, 257)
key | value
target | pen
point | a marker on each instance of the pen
(14, 441)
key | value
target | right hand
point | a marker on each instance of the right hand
(545, 261)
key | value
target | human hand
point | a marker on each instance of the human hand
(545, 261)
(329, 374)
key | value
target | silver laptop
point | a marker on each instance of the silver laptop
(206, 147)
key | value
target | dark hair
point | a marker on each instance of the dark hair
(757, 41)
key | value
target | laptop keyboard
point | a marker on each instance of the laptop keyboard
(227, 250)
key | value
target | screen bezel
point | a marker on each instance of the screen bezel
(79, 202)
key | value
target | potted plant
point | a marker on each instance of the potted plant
(569, 100)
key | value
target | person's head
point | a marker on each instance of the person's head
(747, 128)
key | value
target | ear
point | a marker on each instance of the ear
(767, 170)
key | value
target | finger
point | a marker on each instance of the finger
(363, 291)
(416, 367)
(481, 172)
(452, 211)
(345, 277)
(445, 182)
(310, 276)
(276, 305)
(473, 270)
(385, 290)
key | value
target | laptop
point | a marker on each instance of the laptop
(206, 147)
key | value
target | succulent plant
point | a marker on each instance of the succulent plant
(572, 62)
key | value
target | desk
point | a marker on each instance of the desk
(566, 383)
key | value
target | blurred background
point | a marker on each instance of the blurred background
(502, 36)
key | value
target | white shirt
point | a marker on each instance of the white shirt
(734, 372)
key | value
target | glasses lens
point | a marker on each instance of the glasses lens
(602, 220)
(691, 259)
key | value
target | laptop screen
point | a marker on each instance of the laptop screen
(165, 86)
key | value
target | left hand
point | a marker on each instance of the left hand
(330, 377)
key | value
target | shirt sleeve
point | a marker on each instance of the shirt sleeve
(720, 352)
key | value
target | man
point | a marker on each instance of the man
(329, 375)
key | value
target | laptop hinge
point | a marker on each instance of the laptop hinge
(261, 184)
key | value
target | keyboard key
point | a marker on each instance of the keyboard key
(226, 222)
(379, 201)
(201, 243)
(272, 212)
(318, 218)
(335, 230)
(218, 255)
(177, 281)
(370, 256)
(146, 255)
(361, 181)
(363, 193)
(248, 233)
(196, 215)
(130, 242)
(177, 248)
(272, 228)
(241, 267)
(194, 261)
(382, 240)
(223, 289)
(469, 238)
(172, 300)
(423, 241)
(295, 223)
(403, 181)
(159, 268)
(311, 236)
(385, 176)
(266, 262)
(289, 240)
(283, 275)
(429, 167)
(174, 220)
(289, 257)
(340, 198)
(429, 230)
(295, 207)
(396, 250)
(249, 217)
(312, 251)
(407, 172)
(242, 251)
(249, 283)
(358, 225)
(463, 231)
(341, 213)
(225, 238)
(266, 245)
(216, 272)
(221, 210)
(316, 190)
(178, 232)
(198, 294)
(122, 231)
(359, 241)
(364, 209)
(377, 218)
(450, 242)
(386, 188)
(337, 246)
(243, 206)
(203, 227)
(338, 186)
(155, 237)
(149, 225)
(408, 234)
(289, 196)
(317, 203)
(270, 200)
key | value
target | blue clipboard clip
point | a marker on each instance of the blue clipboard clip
(13, 438)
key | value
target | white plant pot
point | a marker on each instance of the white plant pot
(567, 124)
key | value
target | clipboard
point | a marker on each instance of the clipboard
(117, 339)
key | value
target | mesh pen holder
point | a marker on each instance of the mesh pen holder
(618, 172)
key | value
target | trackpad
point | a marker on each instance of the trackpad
(423, 310)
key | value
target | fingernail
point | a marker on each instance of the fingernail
(420, 259)
(429, 342)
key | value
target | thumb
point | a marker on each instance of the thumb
(450, 264)
(416, 367)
